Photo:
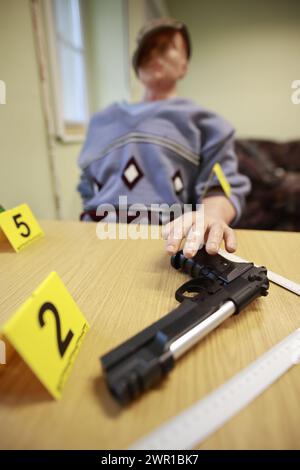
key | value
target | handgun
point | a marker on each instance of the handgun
(218, 288)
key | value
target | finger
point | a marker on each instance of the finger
(193, 243)
(178, 231)
(230, 240)
(165, 231)
(214, 238)
(169, 227)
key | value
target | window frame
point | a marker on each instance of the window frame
(66, 131)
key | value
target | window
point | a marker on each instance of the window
(68, 70)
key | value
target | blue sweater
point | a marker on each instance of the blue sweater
(157, 152)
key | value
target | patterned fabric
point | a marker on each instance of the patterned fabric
(159, 152)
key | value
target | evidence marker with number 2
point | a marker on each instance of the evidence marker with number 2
(47, 331)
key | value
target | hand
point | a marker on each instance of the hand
(198, 228)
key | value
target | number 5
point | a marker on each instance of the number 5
(19, 224)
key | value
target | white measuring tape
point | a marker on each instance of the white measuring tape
(190, 428)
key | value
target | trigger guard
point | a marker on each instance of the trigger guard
(189, 286)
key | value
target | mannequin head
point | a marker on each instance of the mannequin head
(161, 60)
(164, 60)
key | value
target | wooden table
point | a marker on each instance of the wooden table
(121, 287)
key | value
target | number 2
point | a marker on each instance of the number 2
(19, 224)
(62, 343)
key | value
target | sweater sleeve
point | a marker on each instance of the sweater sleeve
(85, 187)
(218, 147)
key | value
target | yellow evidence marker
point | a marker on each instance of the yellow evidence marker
(20, 226)
(47, 331)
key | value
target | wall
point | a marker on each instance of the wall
(24, 172)
(107, 51)
(245, 57)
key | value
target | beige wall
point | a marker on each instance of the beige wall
(107, 51)
(67, 174)
(24, 173)
(245, 57)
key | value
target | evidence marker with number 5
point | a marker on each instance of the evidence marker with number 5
(20, 227)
